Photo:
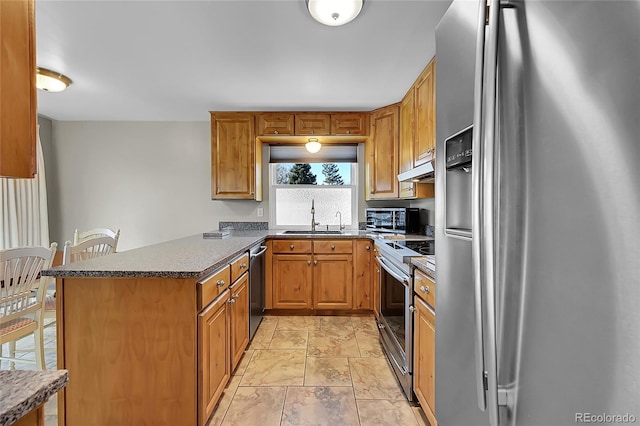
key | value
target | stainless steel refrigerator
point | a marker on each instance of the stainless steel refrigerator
(537, 186)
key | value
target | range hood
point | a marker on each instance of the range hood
(424, 173)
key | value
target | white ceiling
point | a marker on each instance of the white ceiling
(177, 60)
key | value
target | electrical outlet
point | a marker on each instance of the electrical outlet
(260, 211)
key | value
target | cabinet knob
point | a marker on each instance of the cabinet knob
(313, 132)
(333, 247)
(315, 262)
(235, 296)
(425, 289)
(220, 283)
(275, 132)
(243, 265)
(367, 248)
(412, 309)
(348, 132)
(308, 262)
(291, 246)
(231, 301)
(375, 250)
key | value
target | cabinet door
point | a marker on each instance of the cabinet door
(362, 275)
(214, 366)
(239, 302)
(275, 124)
(425, 88)
(350, 123)
(17, 89)
(382, 154)
(407, 131)
(424, 358)
(332, 281)
(313, 124)
(234, 157)
(292, 280)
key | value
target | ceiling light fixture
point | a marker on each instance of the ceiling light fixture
(313, 145)
(334, 12)
(51, 81)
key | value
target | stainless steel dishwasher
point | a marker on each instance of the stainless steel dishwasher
(256, 287)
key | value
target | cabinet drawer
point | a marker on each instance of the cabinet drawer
(332, 246)
(239, 267)
(292, 246)
(425, 288)
(210, 287)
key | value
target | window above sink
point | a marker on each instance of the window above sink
(290, 202)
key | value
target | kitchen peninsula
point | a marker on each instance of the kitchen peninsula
(147, 334)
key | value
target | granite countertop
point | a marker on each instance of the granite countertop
(421, 263)
(189, 257)
(22, 391)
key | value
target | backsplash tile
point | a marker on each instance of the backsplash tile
(430, 231)
(244, 226)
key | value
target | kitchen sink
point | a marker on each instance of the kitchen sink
(313, 232)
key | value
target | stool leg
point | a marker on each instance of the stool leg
(39, 348)
(12, 354)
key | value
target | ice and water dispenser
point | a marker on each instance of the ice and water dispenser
(458, 153)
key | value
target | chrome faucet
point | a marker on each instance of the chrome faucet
(313, 217)
(338, 213)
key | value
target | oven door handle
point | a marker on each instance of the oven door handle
(390, 269)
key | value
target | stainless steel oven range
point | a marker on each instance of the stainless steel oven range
(396, 321)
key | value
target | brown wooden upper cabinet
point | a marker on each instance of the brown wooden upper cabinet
(382, 154)
(18, 95)
(350, 123)
(417, 131)
(313, 124)
(235, 161)
(425, 115)
(275, 124)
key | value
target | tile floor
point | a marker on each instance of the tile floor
(315, 371)
(298, 370)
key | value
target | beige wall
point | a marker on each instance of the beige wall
(152, 180)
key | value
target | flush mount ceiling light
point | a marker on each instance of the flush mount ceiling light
(51, 81)
(334, 12)
(313, 145)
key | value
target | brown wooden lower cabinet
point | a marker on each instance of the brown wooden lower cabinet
(292, 281)
(321, 274)
(362, 270)
(424, 358)
(148, 350)
(239, 302)
(214, 367)
(332, 281)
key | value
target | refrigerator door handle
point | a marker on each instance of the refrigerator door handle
(477, 217)
(488, 211)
